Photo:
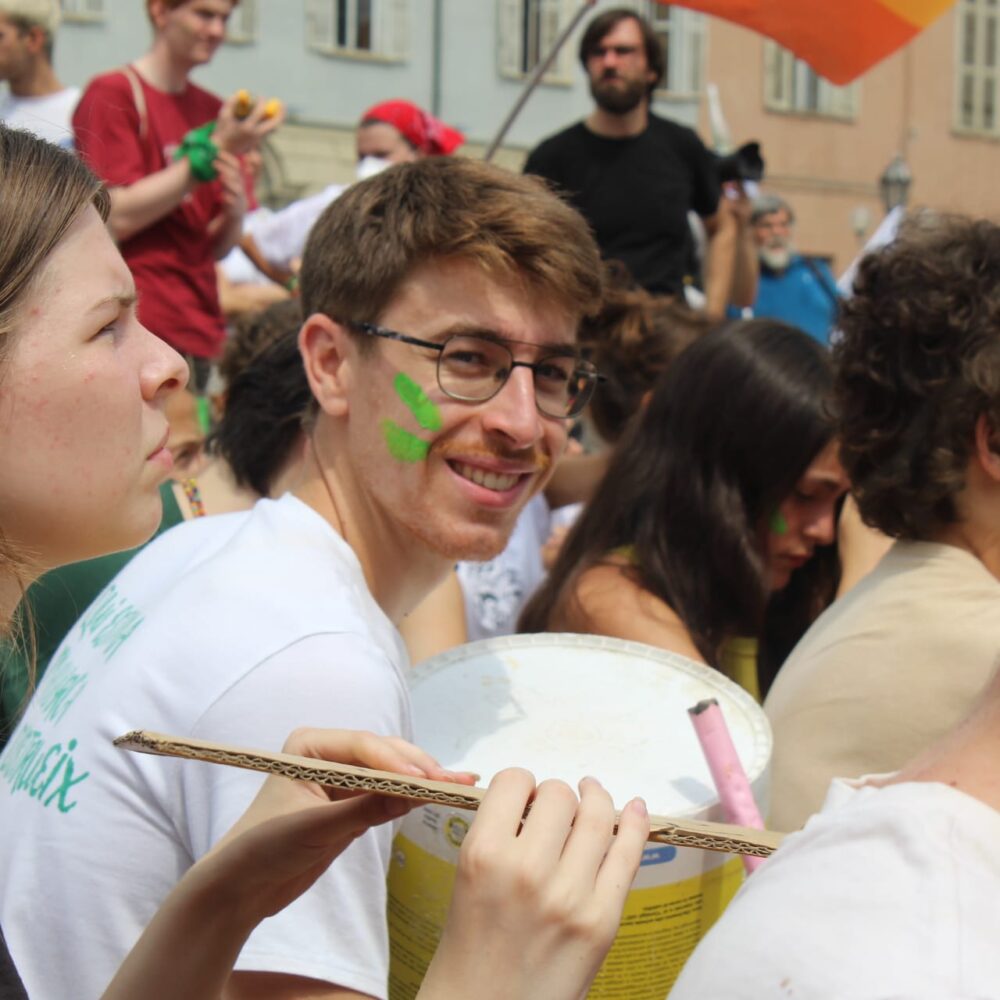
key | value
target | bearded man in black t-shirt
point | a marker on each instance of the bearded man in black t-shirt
(635, 176)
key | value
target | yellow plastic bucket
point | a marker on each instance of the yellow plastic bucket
(564, 706)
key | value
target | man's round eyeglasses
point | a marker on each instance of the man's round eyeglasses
(473, 368)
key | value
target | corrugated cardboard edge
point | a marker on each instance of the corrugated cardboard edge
(702, 834)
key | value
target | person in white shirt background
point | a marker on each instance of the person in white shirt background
(35, 98)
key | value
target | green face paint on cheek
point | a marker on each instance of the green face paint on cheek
(778, 523)
(415, 400)
(403, 446)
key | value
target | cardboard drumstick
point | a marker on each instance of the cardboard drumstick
(679, 832)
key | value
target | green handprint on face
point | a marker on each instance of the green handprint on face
(402, 445)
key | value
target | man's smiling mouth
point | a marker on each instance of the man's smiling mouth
(498, 481)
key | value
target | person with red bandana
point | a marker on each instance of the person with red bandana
(391, 132)
(178, 194)
(398, 132)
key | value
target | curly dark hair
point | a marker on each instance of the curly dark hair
(633, 340)
(254, 333)
(267, 396)
(918, 364)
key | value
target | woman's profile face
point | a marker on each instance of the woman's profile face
(807, 517)
(82, 390)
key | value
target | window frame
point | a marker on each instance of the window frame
(84, 11)
(389, 26)
(982, 78)
(830, 102)
(686, 49)
(513, 27)
(243, 24)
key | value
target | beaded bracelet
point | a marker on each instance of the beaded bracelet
(193, 494)
(200, 151)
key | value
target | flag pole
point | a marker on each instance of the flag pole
(536, 75)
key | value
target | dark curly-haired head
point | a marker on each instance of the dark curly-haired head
(634, 339)
(918, 364)
(266, 397)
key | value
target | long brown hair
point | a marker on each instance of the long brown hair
(728, 432)
(43, 190)
(377, 233)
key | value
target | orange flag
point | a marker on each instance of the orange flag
(840, 39)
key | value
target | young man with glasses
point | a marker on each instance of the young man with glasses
(440, 347)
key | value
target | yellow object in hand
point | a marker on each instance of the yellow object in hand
(244, 104)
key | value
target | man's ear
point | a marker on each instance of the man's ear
(988, 447)
(36, 38)
(328, 354)
(157, 10)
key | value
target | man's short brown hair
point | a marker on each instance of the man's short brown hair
(174, 4)
(373, 236)
(24, 15)
(607, 20)
(918, 364)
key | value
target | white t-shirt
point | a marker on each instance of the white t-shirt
(281, 237)
(891, 892)
(48, 117)
(235, 628)
(495, 591)
(236, 265)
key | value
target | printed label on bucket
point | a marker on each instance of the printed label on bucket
(660, 926)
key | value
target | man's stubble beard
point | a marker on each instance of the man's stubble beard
(472, 546)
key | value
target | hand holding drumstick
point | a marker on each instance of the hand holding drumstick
(537, 905)
(287, 838)
(540, 900)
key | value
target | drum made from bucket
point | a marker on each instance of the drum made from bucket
(564, 706)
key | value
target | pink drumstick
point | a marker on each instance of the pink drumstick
(730, 779)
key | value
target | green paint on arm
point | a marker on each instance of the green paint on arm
(415, 400)
(403, 446)
(778, 523)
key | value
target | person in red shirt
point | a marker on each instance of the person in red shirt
(178, 196)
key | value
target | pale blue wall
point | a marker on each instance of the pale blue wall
(335, 90)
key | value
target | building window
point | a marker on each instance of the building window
(978, 27)
(682, 35)
(241, 29)
(792, 85)
(363, 28)
(527, 30)
(84, 10)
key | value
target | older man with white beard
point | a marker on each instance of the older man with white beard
(797, 289)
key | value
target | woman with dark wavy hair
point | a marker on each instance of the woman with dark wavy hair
(717, 516)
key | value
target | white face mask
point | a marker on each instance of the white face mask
(369, 166)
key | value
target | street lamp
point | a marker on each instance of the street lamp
(894, 184)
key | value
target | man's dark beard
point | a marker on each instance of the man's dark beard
(618, 98)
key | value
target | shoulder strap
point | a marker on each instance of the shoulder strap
(821, 279)
(138, 96)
